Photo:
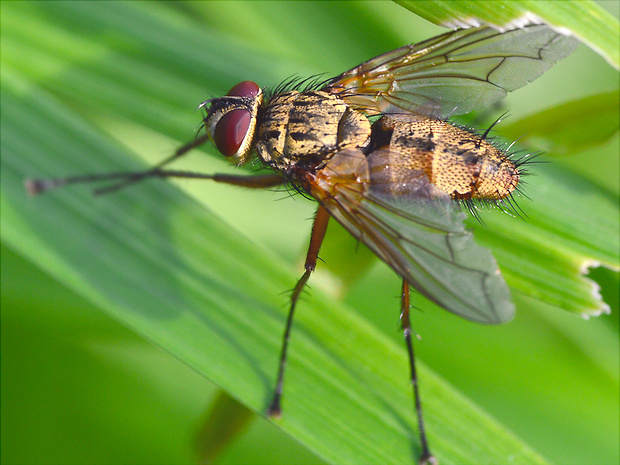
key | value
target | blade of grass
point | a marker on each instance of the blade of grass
(69, 80)
(585, 19)
(553, 130)
(118, 83)
(140, 255)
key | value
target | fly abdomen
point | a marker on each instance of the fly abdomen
(461, 164)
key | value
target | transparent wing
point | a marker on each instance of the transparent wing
(416, 230)
(453, 73)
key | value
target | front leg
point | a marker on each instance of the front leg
(38, 186)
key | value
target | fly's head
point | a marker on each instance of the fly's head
(231, 120)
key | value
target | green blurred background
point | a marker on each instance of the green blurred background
(77, 387)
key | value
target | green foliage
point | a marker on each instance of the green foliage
(199, 269)
(596, 116)
(584, 19)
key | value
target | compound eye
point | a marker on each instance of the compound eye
(231, 130)
(245, 89)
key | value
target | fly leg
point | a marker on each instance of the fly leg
(426, 458)
(179, 152)
(124, 179)
(316, 238)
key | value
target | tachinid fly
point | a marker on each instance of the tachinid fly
(374, 148)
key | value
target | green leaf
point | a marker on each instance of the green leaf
(200, 269)
(585, 19)
(546, 255)
(553, 130)
(145, 256)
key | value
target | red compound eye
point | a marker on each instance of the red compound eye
(245, 89)
(230, 131)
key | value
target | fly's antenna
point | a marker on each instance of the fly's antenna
(124, 179)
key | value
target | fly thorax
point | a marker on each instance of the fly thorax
(307, 127)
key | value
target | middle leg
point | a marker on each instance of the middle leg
(319, 228)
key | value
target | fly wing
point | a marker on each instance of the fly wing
(416, 230)
(454, 73)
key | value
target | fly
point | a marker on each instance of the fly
(374, 147)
